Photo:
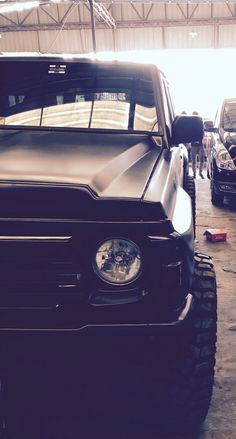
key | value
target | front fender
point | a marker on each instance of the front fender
(183, 224)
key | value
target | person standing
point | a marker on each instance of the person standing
(208, 143)
(187, 145)
(198, 154)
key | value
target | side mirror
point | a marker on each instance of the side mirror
(209, 126)
(187, 129)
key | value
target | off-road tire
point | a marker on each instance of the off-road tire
(216, 199)
(191, 190)
(192, 391)
(3, 432)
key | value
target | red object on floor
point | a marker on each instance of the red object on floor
(215, 235)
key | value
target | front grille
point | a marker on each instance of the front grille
(37, 275)
(37, 266)
(47, 263)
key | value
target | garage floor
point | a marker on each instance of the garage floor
(221, 420)
(98, 394)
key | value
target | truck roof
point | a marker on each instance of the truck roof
(36, 56)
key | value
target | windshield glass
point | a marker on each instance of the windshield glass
(229, 116)
(77, 95)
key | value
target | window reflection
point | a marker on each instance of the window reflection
(229, 116)
(85, 96)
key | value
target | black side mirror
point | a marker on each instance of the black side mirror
(187, 129)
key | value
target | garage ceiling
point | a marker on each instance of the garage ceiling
(65, 26)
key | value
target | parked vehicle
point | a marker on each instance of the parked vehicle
(98, 215)
(223, 157)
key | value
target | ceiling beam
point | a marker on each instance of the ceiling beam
(68, 2)
(137, 12)
(25, 17)
(8, 19)
(120, 24)
(181, 10)
(103, 13)
(47, 13)
(149, 11)
(194, 10)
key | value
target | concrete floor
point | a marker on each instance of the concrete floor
(103, 379)
(221, 420)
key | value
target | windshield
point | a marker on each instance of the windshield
(229, 116)
(77, 95)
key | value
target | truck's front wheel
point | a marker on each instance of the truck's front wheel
(3, 432)
(192, 385)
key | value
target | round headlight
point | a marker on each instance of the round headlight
(118, 261)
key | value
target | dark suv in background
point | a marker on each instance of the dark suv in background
(97, 219)
(223, 157)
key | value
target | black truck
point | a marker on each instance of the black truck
(97, 215)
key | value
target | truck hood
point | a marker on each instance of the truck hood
(111, 165)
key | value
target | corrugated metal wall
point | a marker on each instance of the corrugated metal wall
(171, 29)
(80, 41)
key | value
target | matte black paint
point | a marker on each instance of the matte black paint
(91, 185)
(110, 166)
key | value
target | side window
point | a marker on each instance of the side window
(229, 116)
(145, 118)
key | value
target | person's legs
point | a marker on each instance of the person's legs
(208, 163)
(194, 159)
(201, 156)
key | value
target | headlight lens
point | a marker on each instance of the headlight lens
(118, 261)
(223, 159)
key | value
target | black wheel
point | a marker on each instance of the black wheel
(216, 199)
(193, 383)
(190, 189)
(3, 432)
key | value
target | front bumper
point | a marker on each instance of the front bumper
(144, 328)
(226, 188)
(224, 182)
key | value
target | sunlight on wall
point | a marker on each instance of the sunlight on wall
(198, 78)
